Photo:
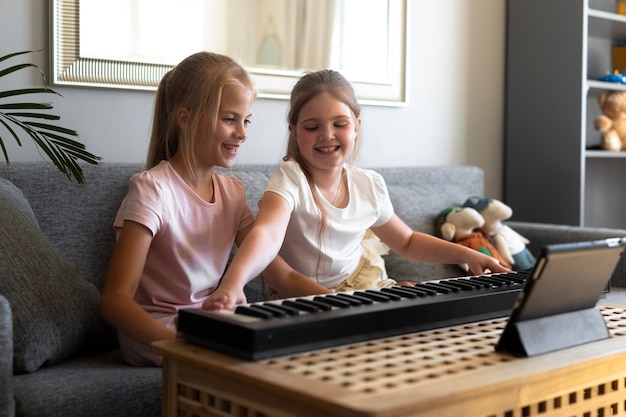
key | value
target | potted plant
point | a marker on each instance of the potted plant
(34, 119)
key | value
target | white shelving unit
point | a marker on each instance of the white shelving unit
(554, 171)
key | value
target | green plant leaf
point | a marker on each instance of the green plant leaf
(56, 142)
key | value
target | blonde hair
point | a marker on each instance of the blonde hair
(195, 84)
(308, 87)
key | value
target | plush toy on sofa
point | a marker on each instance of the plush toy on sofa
(462, 225)
(510, 244)
(612, 123)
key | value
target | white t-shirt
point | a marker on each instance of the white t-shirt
(332, 260)
(192, 238)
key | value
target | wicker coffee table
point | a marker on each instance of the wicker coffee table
(453, 371)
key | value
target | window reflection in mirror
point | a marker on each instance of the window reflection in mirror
(130, 43)
(279, 34)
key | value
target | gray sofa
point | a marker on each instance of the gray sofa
(58, 357)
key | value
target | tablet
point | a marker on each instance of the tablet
(560, 296)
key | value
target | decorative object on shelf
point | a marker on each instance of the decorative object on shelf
(32, 118)
(615, 77)
(618, 57)
(621, 7)
(612, 122)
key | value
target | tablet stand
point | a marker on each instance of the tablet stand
(548, 333)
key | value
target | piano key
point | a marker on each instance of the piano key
(390, 295)
(309, 308)
(320, 306)
(489, 283)
(419, 291)
(332, 301)
(399, 291)
(451, 286)
(288, 310)
(269, 309)
(520, 277)
(519, 280)
(253, 312)
(373, 296)
(474, 283)
(360, 298)
(433, 287)
(506, 280)
(464, 285)
(353, 300)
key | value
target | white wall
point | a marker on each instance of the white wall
(454, 117)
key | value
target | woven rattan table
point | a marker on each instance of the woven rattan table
(453, 371)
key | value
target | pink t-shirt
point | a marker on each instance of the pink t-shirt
(192, 239)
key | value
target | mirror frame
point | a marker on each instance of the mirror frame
(69, 68)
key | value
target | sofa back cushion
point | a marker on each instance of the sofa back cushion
(77, 218)
(55, 312)
(418, 194)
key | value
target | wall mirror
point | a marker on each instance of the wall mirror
(132, 43)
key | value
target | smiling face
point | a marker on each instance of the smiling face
(326, 132)
(220, 149)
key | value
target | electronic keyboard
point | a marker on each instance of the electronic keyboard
(275, 328)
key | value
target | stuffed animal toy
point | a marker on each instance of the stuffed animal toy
(462, 225)
(510, 244)
(612, 122)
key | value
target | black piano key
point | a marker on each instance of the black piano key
(399, 291)
(417, 291)
(465, 285)
(373, 295)
(288, 310)
(519, 280)
(359, 298)
(498, 282)
(433, 289)
(505, 280)
(354, 301)
(272, 310)
(253, 312)
(320, 306)
(390, 295)
(332, 300)
(309, 308)
(453, 287)
(488, 283)
(489, 280)
(475, 284)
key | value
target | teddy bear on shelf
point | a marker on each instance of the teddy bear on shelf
(462, 225)
(510, 244)
(612, 122)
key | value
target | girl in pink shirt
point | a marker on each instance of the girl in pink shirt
(179, 221)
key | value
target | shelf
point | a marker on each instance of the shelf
(552, 89)
(604, 154)
(603, 85)
(606, 25)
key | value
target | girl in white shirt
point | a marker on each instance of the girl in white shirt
(318, 207)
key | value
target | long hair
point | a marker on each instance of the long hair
(308, 87)
(195, 84)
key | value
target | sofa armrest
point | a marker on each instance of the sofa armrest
(541, 234)
(7, 404)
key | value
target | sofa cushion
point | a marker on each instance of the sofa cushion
(55, 312)
(89, 385)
